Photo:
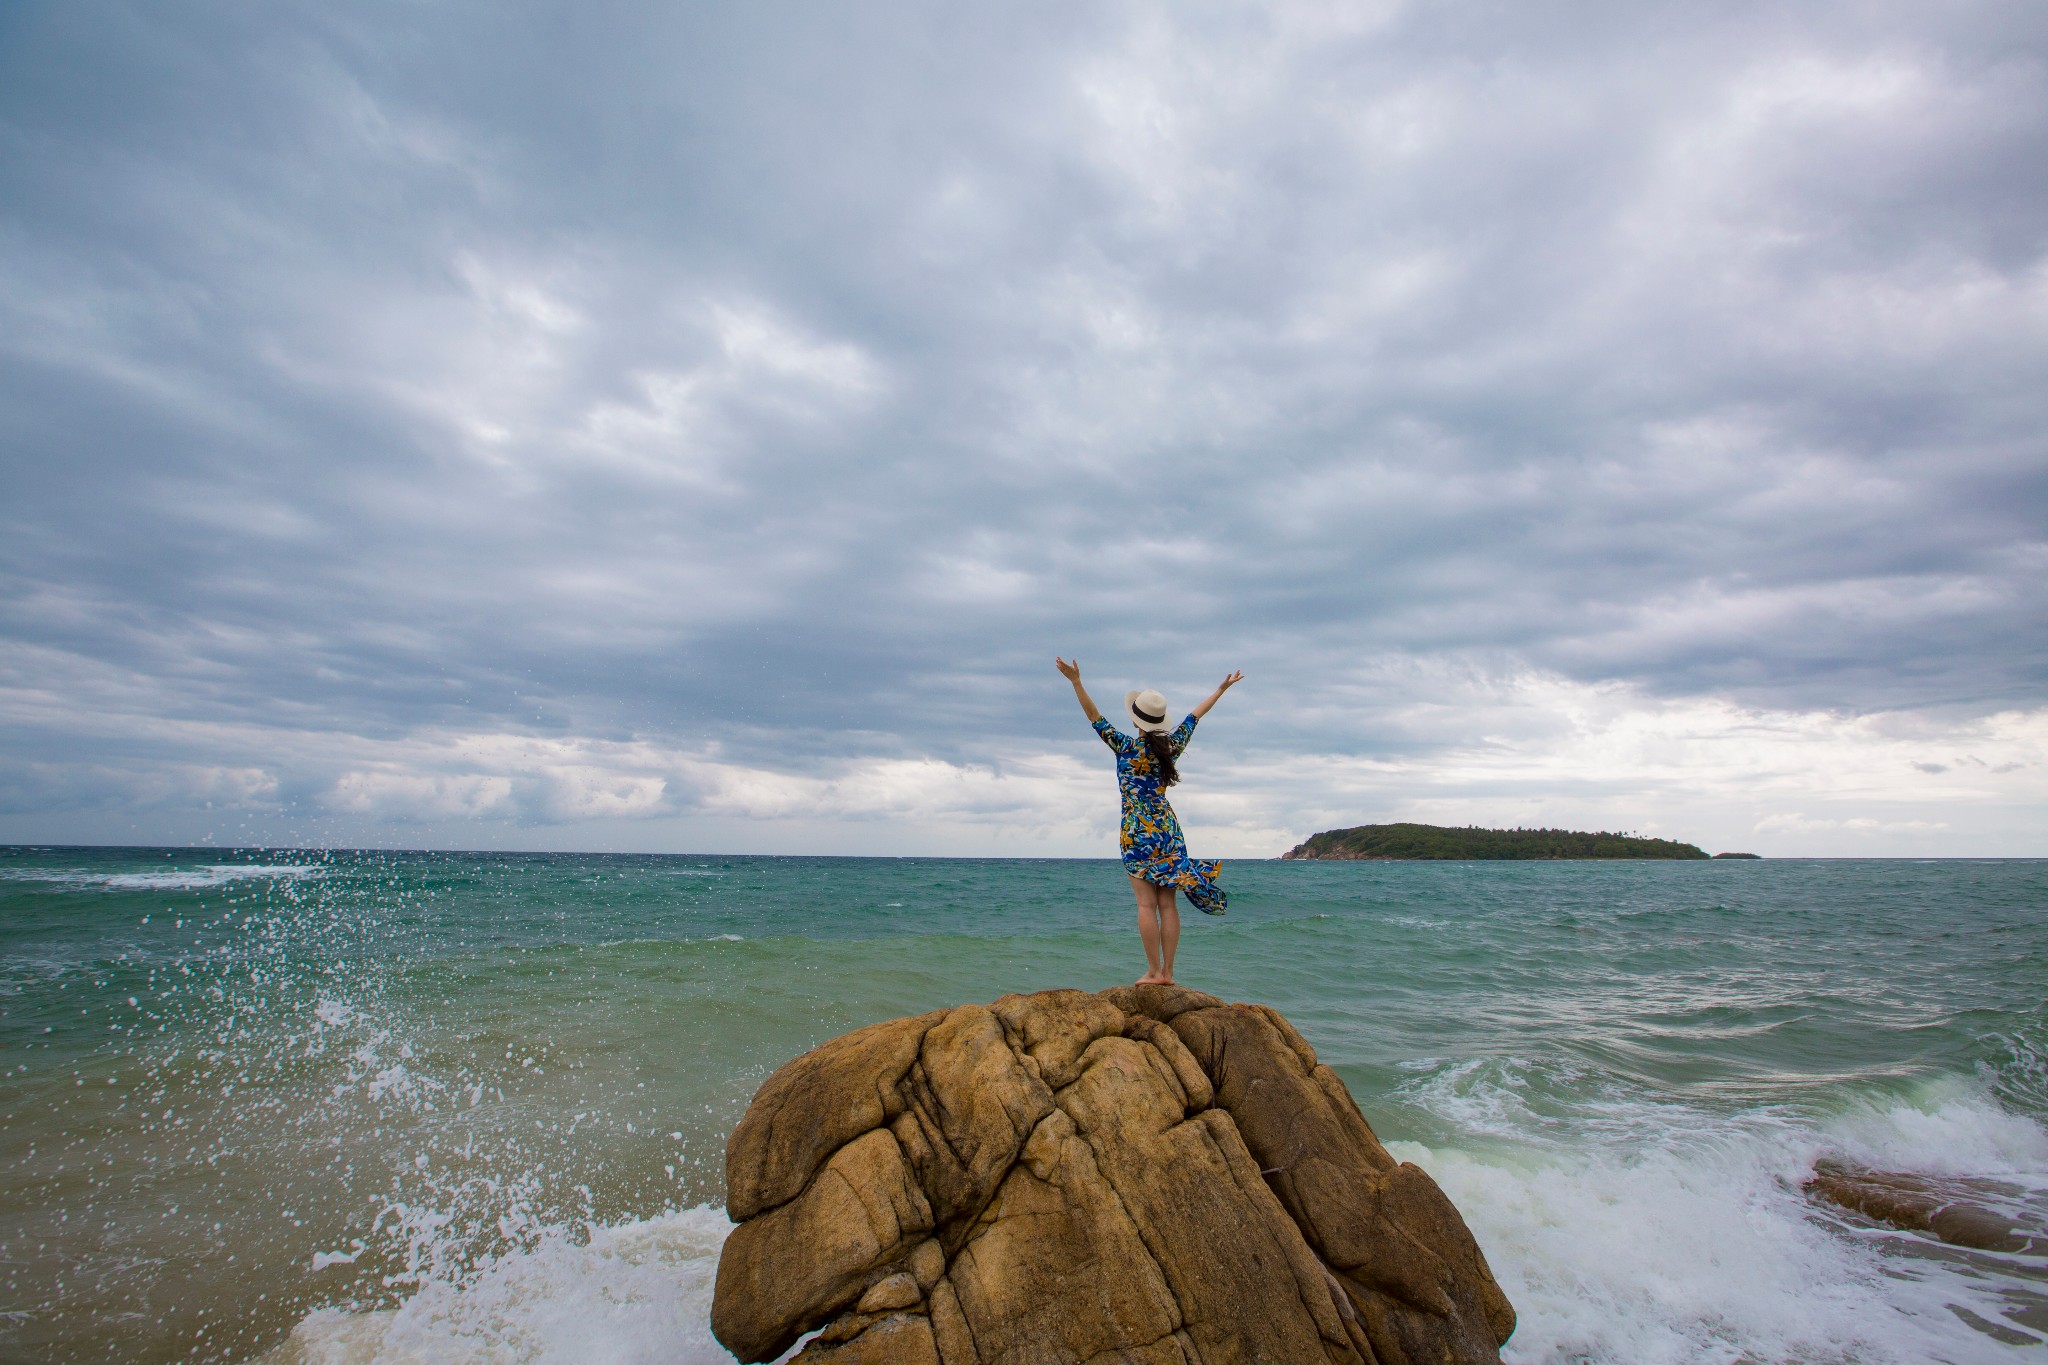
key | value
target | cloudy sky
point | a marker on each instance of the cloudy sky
(697, 427)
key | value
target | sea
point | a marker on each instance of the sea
(292, 1106)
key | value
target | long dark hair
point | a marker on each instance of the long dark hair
(1159, 744)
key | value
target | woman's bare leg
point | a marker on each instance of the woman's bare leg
(1168, 912)
(1148, 928)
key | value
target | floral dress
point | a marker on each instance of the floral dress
(1153, 848)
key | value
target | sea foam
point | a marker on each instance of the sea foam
(170, 879)
(637, 1291)
(1692, 1243)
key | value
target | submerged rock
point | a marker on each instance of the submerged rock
(1148, 1175)
(1945, 1207)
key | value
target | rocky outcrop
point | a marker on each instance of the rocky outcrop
(1951, 1208)
(1147, 1176)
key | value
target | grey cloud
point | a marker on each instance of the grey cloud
(800, 381)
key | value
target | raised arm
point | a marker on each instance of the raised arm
(1214, 697)
(1072, 673)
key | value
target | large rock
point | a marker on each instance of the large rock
(1949, 1207)
(1148, 1176)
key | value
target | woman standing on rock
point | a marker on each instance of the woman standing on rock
(1155, 855)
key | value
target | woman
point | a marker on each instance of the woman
(1155, 855)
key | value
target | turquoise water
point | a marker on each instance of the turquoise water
(299, 1106)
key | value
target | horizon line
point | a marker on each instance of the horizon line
(992, 857)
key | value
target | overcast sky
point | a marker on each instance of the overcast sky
(697, 427)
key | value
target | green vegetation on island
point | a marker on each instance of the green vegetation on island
(1368, 842)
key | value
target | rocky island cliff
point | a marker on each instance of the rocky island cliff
(1146, 1176)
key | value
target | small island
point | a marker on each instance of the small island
(1369, 843)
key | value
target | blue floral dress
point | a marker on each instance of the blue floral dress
(1153, 848)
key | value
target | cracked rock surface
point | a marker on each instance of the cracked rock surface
(1147, 1176)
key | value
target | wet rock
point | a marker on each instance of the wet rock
(1945, 1207)
(1144, 1175)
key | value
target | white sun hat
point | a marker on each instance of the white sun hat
(1147, 708)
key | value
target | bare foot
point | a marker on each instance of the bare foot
(1150, 979)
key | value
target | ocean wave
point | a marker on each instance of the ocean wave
(172, 879)
(1949, 1126)
(634, 1291)
(1674, 1259)
(2017, 1068)
(1633, 1230)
